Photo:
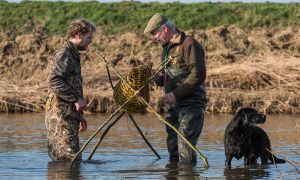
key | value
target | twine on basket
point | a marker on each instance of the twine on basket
(137, 78)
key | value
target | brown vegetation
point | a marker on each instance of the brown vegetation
(257, 68)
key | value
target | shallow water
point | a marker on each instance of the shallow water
(123, 153)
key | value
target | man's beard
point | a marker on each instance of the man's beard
(160, 42)
(82, 48)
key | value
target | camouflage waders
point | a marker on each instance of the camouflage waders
(62, 123)
(61, 118)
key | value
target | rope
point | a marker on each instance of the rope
(109, 77)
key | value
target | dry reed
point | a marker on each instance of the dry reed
(257, 68)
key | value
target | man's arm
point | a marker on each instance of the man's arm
(193, 56)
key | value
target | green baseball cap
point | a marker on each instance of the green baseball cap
(155, 22)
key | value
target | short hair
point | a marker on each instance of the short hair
(81, 26)
(170, 25)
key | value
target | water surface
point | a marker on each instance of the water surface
(124, 154)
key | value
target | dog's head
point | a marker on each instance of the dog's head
(244, 118)
(251, 116)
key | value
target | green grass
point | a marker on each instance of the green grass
(118, 17)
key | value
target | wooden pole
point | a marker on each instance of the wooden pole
(104, 133)
(141, 133)
(94, 134)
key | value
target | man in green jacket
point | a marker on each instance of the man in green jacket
(64, 108)
(183, 80)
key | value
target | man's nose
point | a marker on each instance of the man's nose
(153, 37)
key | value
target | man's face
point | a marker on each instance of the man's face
(85, 40)
(160, 35)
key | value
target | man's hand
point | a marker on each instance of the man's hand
(82, 125)
(158, 78)
(169, 98)
(80, 105)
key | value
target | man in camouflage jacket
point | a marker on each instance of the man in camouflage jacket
(64, 108)
(183, 81)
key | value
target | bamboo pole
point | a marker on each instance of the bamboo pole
(98, 130)
(141, 133)
(104, 133)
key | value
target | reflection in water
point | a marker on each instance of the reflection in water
(246, 173)
(178, 171)
(61, 170)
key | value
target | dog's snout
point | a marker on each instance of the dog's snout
(264, 117)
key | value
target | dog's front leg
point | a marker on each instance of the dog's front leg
(246, 160)
(228, 160)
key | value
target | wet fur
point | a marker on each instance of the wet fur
(244, 139)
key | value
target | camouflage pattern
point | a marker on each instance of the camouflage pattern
(61, 118)
(185, 76)
(65, 74)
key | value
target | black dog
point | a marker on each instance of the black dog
(243, 138)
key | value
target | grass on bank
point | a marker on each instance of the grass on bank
(117, 17)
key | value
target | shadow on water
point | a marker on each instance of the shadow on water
(123, 153)
(255, 172)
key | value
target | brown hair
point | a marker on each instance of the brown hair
(81, 26)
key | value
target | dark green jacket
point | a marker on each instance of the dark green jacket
(186, 73)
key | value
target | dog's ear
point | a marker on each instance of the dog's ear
(244, 118)
(235, 122)
(242, 114)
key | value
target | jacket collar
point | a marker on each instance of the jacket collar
(72, 48)
(178, 40)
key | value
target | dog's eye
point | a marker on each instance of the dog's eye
(251, 114)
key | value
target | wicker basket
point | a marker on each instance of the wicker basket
(137, 78)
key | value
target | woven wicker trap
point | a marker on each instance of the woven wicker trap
(137, 78)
